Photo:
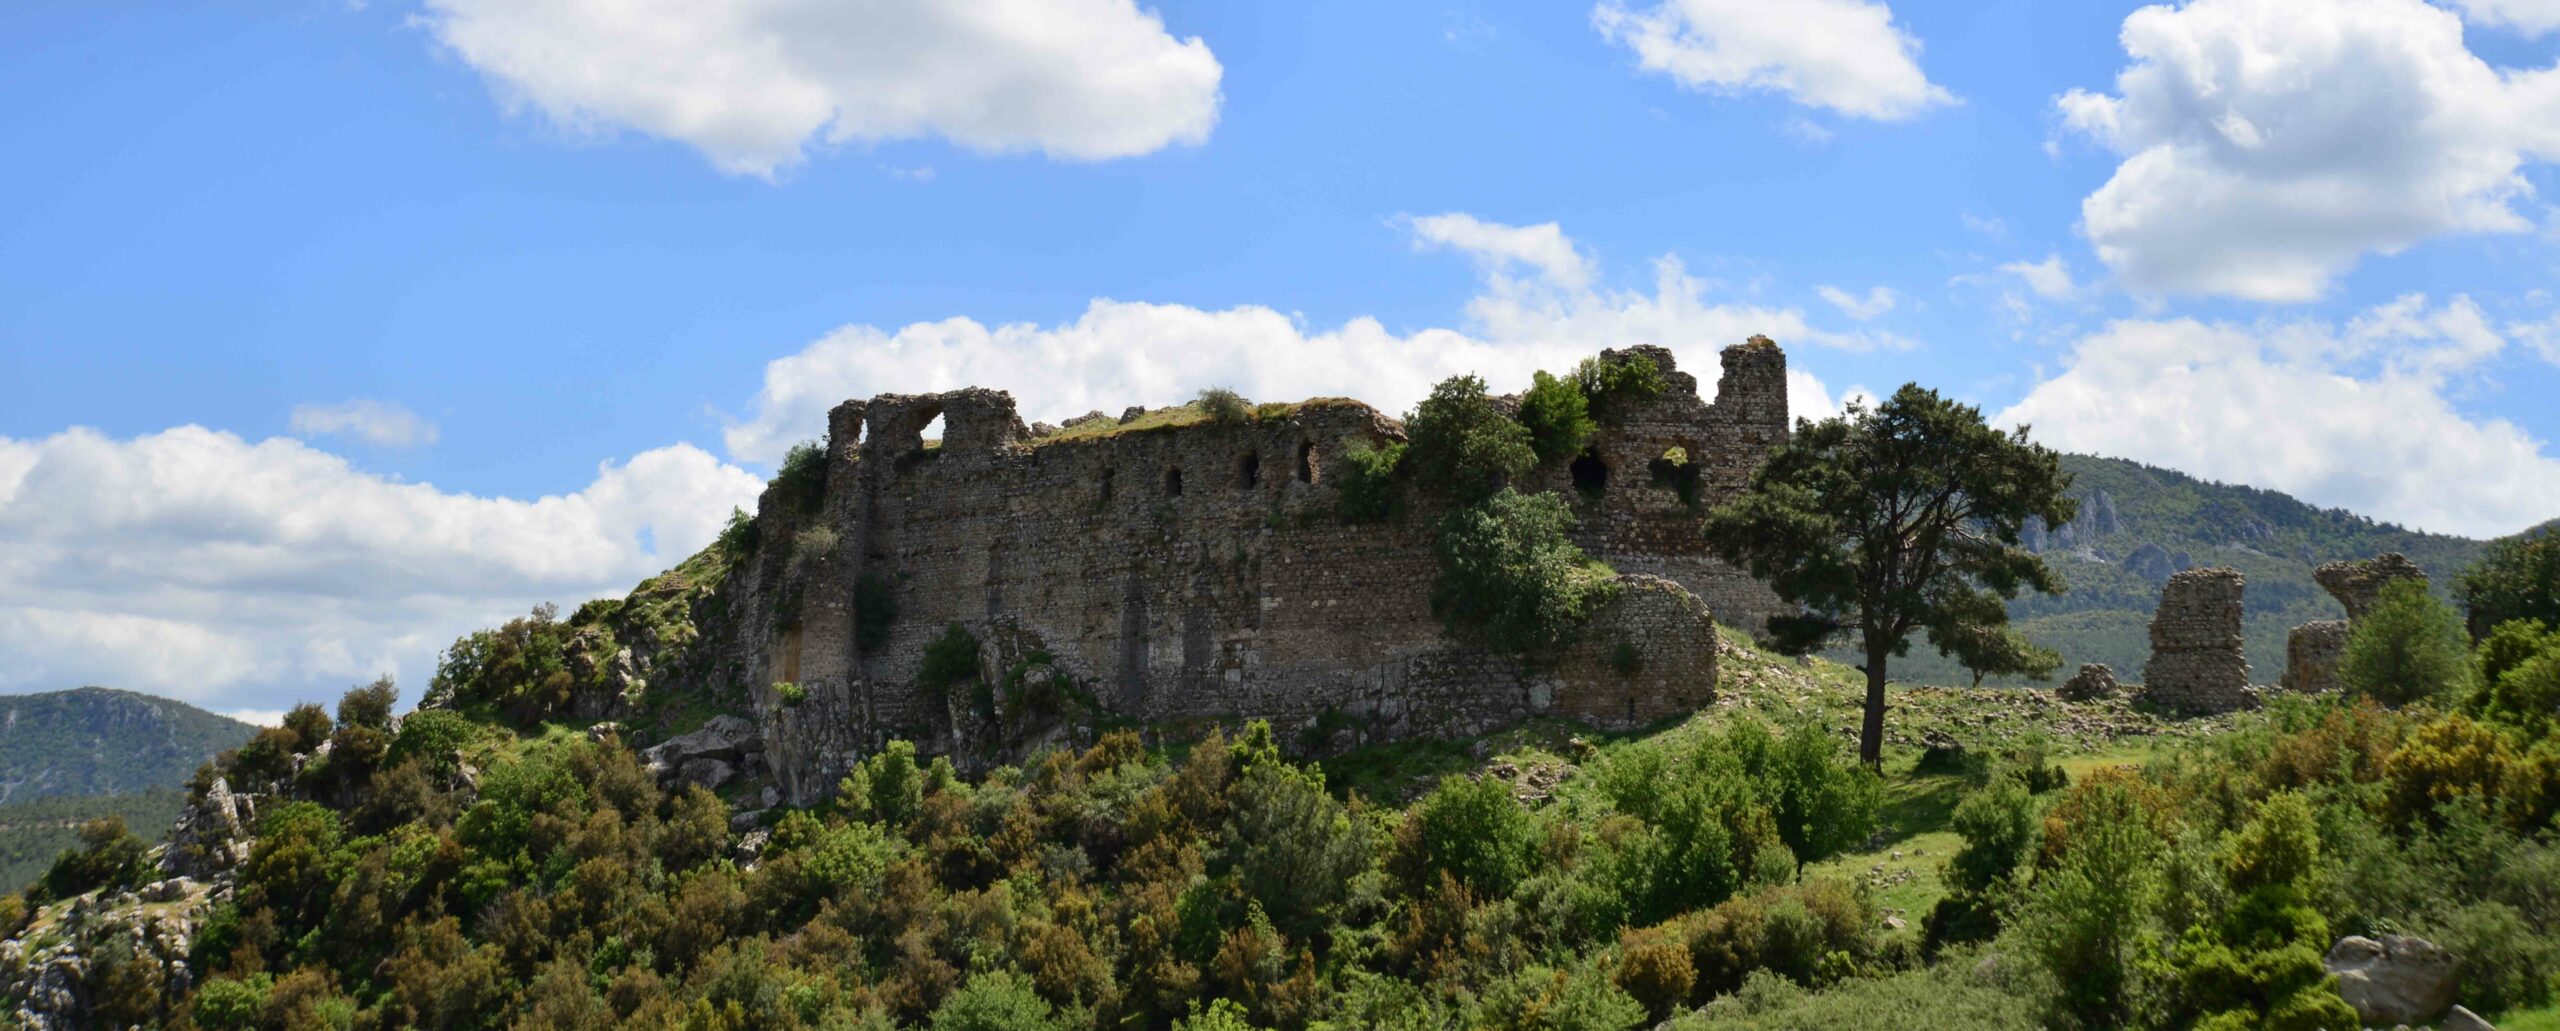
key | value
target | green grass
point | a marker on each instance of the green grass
(2544, 1019)
(1177, 417)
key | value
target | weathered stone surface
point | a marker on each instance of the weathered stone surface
(1203, 573)
(723, 737)
(2312, 653)
(2357, 584)
(2150, 562)
(2093, 682)
(213, 835)
(2461, 1019)
(2197, 662)
(2396, 979)
(709, 773)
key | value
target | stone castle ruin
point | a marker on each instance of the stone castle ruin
(1201, 572)
(2313, 651)
(2197, 661)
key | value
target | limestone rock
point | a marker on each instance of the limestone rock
(2460, 1019)
(2357, 584)
(2150, 562)
(709, 773)
(2395, 980)
(1092, 416)
(724, 738)
(2197, 662)
(212, 836)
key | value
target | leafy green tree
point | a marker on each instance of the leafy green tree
(1224, 407)
(1296, 848)
(1368, 493)
(2409, 647)
(1474, 831)
(997, 1001)
(1998, 823)
(1612, 385)
(2259, 966)
(888, 786)
(2086, 922)
(1824, 805)
(1557, 415)
(369, 705)
(1461, 447)
(309, 724)
(2516, 578)
(1893, 521)
(1511, 579)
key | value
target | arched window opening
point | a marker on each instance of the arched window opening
(1306, 461)
(1249, 471)
(1173, 482)
(1106, 484)
(1590, 474)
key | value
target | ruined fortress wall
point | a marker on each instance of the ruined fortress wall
(1201, 572)
(2197, 662)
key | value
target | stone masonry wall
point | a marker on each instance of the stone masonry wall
(2314, 651)
(2197, 662)
(1201, 573)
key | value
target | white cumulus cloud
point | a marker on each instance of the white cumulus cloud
(750, 82)
(237, 573)
(2270, 144)
(380, 423)
(2050, 278)
(1844, 55)
(2353, 415)
(2530, 17)
(1538, 308)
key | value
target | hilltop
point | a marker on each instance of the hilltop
(101, 741)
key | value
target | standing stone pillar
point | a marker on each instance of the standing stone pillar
(2198, 663)
(2314, 651)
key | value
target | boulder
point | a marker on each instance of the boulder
(2460, 1019)
(2093, 682)
(709, 773)
(725, 738)
(2396, 979)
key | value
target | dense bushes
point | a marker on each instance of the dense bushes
(2518, 578)
(2409, 647)
(1511, 579)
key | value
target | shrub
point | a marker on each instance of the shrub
(2085, 923)
(224, 1004)
(738, 537)
(1825, 802)
(949, 660)
(1462, 448)
(2409, 647)
(2259, 966)
(791, 694)
(369, 705)
(1656, 970)
(996, 1001)
(1998, 822)
(1296, 848)
(1368, 491)
(433, 737)
(1474, 831)
(1511, 580)
(1546, 999)
(886, 787)
(109, 856)
(1224, 407)
(309, 725)
(1557, 416)
(812, 545)
(2516, 578)
(2519, 669)
(521, 669)
(1809, 933)
(1613, 385)
(801, 482)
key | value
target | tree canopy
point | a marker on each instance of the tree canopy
(1897, 520)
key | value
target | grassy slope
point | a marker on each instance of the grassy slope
(1546, 759)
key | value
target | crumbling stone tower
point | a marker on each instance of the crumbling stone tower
(2197, 662)
(2313, 651)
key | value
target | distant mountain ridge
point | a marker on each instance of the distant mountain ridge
(2139, 524)
(101, 741)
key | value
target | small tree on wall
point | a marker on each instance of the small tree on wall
(1898, 520)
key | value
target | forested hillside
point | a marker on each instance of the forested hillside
(100, 741)
(2138, 524)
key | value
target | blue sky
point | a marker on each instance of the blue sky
(330, 330)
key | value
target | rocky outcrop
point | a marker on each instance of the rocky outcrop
(108, 959)
(2395, 979)
(711, 755)
(213, 835)
(2460, 1019)
(2197, 662)
(2094, 682)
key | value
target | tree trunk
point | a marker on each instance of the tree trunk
(1871, 731)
